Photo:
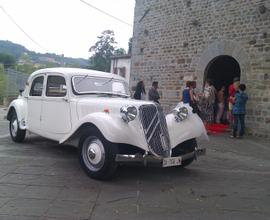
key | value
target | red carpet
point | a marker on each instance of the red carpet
(216, 128)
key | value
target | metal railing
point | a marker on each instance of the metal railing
(12, 82)
(15, 81)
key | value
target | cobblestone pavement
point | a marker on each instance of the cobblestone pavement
(42, 180)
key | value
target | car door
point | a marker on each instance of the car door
(35, 103)
(55, 107)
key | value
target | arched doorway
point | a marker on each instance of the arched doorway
(221, 70)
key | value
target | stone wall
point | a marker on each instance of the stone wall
(173, 39)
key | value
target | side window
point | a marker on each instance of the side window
(37, 86)
(56, 86)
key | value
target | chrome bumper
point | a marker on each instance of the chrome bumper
(148, 160)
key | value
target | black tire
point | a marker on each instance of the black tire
(184, 148)
(17, 134)
(97, 155)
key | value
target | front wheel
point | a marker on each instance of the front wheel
(97, 155)
(16, 133)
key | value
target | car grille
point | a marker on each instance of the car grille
(155, 130)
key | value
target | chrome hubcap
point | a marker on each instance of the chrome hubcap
(93, 153)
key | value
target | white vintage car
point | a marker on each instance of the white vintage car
(93, 111)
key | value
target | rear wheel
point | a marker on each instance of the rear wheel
(97, 155)
(184, 148)
(16, 133)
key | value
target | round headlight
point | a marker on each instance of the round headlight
(128, 113)
(180, 114)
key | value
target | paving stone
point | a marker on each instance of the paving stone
(18, 217)
(20, 179)
(4, 200)
(78, 194)
(10, 190)
(69, 209)
(34, 170)
(40, 192)
(28, 207)
(115, 211)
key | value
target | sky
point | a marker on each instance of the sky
(68, 27)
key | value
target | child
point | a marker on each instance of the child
(239, 110)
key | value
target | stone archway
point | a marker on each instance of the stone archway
(222, 70)
(223, 48)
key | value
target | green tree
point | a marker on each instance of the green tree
(119, 51)
(102, 51)
(7, 60)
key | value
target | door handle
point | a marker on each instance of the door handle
(65, 99)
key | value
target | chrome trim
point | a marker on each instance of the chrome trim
(151, 159)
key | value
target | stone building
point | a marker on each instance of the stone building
(177, 39)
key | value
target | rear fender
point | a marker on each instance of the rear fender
(19, 106)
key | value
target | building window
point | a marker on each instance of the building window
(122, 71)
(115, 70)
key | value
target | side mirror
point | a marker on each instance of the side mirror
(21, 91)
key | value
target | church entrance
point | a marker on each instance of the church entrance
(221, 70)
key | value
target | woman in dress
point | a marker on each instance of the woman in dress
(140, 91)
(221, 103)
(207, 102)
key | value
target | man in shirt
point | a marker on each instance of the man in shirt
(232, 89)
(153, 94)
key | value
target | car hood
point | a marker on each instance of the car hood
(90, 105)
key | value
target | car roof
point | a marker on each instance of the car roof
(77, 71)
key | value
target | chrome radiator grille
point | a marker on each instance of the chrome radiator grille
(155, 130)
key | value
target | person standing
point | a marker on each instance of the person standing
(207, 105)
(153, 94)
(186, 93)
(194, 98)
(221, 103)
(239, 111)
(140, 91)
(232, 89)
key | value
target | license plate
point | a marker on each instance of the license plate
(172, 161)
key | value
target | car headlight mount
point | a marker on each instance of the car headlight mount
(128, 113)
(180, 113)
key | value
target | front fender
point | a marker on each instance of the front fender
(192, 127)
(114, 129)
(20, 107)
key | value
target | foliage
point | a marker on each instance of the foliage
(119, 51)
(18, 51)
(7, 60)
(102, 51)
(27, 68)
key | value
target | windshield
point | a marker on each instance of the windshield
(99, 85)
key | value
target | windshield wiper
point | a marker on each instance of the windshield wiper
(103, 84)
(82, 79)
